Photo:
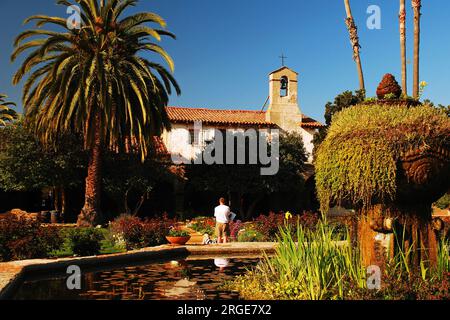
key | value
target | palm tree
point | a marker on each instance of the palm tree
(6, 113)
(402, 19)
(417, 5)
(354, 39)
(92, 79)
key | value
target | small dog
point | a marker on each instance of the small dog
(208, 240)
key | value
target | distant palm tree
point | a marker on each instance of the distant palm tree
(402, 20)
(92, 79)
(417, 5)
(354, 39)
(6, 113)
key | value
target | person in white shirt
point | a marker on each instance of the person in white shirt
(222, 214)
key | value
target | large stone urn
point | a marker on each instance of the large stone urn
(423, 176)
(389, 160)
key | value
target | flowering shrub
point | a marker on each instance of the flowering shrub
(235, 228)
(137, 233)
(22, 238)
(155, 230)
(250, 235)
(269, 225)
(203, 225)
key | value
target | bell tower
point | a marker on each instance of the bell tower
(283, 95)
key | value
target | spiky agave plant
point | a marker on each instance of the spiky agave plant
(94, 80)
(6, 113)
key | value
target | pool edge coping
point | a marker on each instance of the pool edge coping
(16, 270)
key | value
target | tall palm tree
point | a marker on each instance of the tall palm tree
(93, 79)
(417, 5)
(354, 39)
(402, 20)
(6, 113)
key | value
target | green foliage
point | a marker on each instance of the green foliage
(341, 101)
(446, 109)
(107, 243)
(6, 113)
(126, 177)
(26, 165)
(251, 235)
(178, 233)
(443, 202)
(357, 162)
(390, 96)
(97, 76)
(85, 241)
(311, 269)
(203, 225)
(312, 266)
(246, 179)
(370, 100)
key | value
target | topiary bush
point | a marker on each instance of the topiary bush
(357, 162)
(85, 241)
(389, 88)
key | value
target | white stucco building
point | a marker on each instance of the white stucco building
(283, 113)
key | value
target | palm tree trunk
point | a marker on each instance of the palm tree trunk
(90, 214)
(416, 4)
(402, 19)
(354, 39)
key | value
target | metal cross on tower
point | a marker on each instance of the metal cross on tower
(282, 57)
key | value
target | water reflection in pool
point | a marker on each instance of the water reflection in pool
(190, 279)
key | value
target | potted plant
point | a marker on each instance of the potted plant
(178, 237)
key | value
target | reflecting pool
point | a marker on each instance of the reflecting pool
(194, 278)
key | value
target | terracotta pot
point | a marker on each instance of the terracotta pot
(178, 240)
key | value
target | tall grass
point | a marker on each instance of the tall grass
(308, 265)
(311, 265)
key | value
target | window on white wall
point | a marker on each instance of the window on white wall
(198, 138)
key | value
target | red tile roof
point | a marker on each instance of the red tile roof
(242, 117)
(228, 117)
(308, 122)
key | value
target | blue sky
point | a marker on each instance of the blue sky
(226, 48)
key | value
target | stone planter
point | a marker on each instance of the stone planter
(179, 241)
(423, 175)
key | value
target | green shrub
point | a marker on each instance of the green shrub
(251, 235)
(178, 233)
(443, 202)
(357, 161)
(203, 225)
(85, 241)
